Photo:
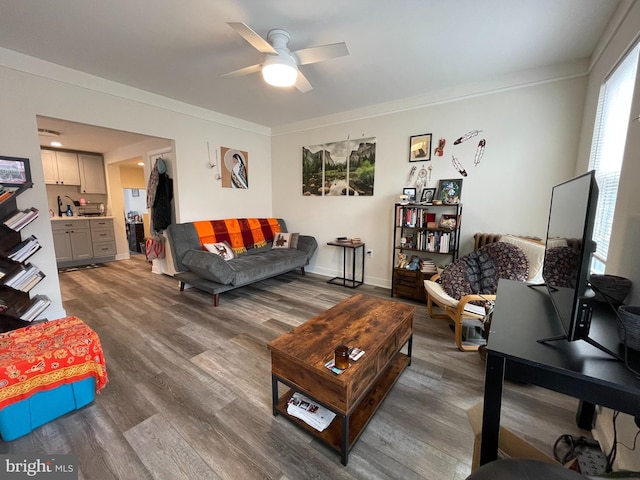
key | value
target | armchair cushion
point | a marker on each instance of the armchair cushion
(534, 251)
(478, 272)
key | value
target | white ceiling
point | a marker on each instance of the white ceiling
(398, 49)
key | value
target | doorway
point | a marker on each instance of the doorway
(118, 149)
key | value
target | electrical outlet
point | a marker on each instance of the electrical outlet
(369, 253)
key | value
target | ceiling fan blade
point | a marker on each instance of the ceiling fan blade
(252, 37)
(302, 83)
(321, 53)
(244, 71)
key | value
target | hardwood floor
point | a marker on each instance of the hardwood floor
(189, 392)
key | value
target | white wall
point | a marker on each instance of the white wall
(531, 144)
(32, 87)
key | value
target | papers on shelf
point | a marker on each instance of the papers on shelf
(477, 309)
(309, 412)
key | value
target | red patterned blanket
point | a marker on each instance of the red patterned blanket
(240, 233)
(46, 355)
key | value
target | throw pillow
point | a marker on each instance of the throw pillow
(285, 240)
(223, 249)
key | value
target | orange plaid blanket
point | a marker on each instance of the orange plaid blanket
(240, 233)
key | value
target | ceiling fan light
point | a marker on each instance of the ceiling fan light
(279, 72)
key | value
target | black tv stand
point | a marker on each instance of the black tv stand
(572, 368)
(589, 340)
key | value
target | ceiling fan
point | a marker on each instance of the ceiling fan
(280, 65)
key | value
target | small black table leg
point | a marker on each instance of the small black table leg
(494, 377)
(344, 441)
(586, 415)
(274, 394)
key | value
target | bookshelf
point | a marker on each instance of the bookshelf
(18, 276)
(429, 232)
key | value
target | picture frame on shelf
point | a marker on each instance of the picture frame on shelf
(450, 190)
(420, 148)
(427, 195)
(410, 192)
(14, 171)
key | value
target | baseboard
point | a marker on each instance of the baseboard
(368, 279)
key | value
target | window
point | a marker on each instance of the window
(607, 148)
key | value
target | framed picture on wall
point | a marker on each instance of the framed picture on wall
(450, 190)
(420, 148)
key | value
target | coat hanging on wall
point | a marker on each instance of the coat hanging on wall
(159, 196)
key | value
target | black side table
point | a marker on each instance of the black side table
(343, 280)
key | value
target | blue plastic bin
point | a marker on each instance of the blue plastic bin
(22, 417)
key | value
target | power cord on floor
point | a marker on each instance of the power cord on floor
(586, 454)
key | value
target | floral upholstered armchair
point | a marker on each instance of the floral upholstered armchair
(466, 286)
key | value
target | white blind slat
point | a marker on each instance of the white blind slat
(608, 143)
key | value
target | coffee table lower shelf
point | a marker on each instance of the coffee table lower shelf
(353, 423)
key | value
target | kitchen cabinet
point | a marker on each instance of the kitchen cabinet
(72, 240)
(103, 238)
(60, 168)
(92, 178)
(82, 241)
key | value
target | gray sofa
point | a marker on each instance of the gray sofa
(210, 273)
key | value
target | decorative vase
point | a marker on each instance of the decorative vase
(69, 211)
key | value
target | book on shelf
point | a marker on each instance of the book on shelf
(26, 278)
(428, 267)
(309, 412)
(31, 282)
(38, 305)
(6, 192)
(24, 249)
(13, 277)
(21, 219)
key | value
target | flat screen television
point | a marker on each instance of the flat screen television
(567, 259)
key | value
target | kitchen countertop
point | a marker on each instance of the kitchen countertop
(76, 217)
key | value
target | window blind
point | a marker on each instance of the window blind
(608, 144)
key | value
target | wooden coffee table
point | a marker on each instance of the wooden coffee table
(380, 327)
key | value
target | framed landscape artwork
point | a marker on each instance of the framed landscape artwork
(344, 168)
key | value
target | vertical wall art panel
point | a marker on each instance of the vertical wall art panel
(339, 168)
(235, 168)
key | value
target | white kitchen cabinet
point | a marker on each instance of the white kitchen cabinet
(92, 178)
(72, 240)
(60, 168)
(103, 237)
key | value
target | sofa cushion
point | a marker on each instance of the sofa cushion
(286, 240)
(250, 268)
(209, 266)
(222, 249)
